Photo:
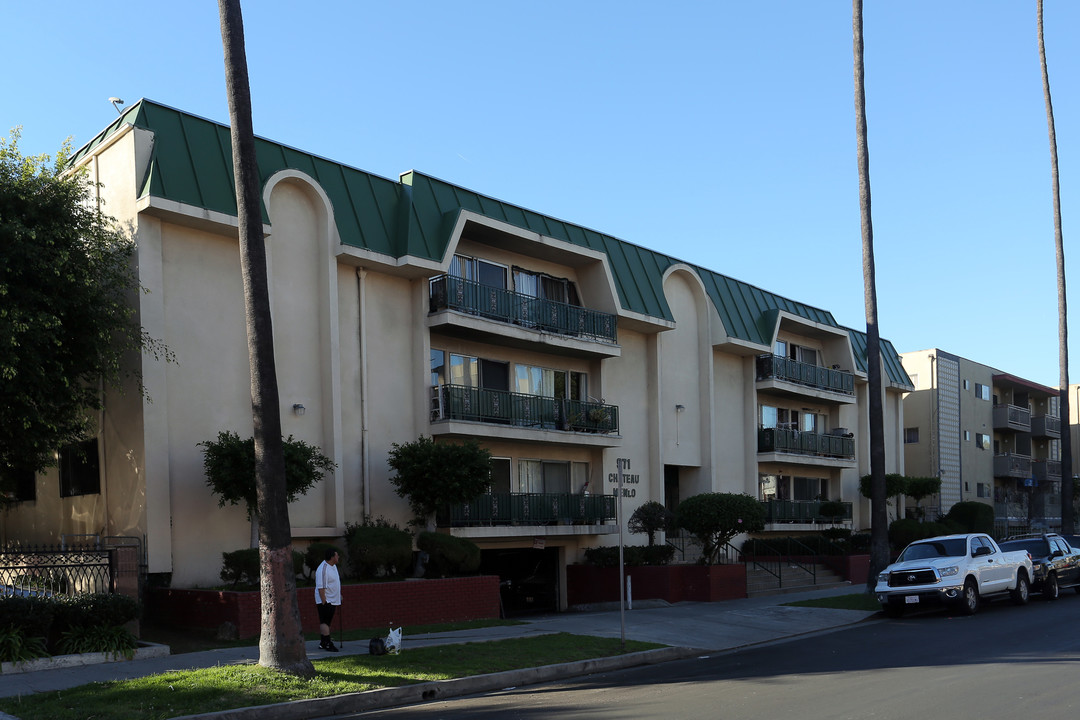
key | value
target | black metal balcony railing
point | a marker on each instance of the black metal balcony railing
(453, 293)
(775, 367)
(805, 443)
(802, 511)
(460, 402)
(530, 509)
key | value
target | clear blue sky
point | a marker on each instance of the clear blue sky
(721, 133)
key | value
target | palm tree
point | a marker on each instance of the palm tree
(879, 521)
(1063, 330)
(281, 643)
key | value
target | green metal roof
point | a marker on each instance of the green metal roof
(191, 163)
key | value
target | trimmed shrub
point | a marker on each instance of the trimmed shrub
(240, 567)
(972, 516)
(633, 555)
(379, 550)
(448, 556)
(33, 616)
(312, 559)
(837, 534)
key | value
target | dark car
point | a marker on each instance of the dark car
(1056, 564)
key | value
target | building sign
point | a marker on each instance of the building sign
(628, 479)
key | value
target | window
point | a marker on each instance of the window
(546, 382)
(545, 287)
(982, 441)
(911, 435)
(982, 490)
(967, 436)
(982, 392)
(1054, 450)
(786, 487)
(479, 271)
(79, 469)
(808, 355)
(967, 384)
(500, 475)
(464, 370)
(551, 476)
(438, 367)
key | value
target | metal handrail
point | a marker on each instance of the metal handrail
(454, 293)
(461, 402)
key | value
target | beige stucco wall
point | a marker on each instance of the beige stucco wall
(352, 345)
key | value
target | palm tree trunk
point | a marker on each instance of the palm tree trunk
(1067, 516)
(281, 643)
(879, 521)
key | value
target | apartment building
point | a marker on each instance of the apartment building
(415, 307)
(990, 436)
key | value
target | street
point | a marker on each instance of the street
(1005, 662)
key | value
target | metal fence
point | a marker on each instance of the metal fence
(78, 565)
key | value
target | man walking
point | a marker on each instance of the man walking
(327, 597)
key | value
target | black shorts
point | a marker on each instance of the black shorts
(326, 613)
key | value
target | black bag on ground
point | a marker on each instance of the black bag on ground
(377, 646)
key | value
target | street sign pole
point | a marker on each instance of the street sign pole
(620, 465)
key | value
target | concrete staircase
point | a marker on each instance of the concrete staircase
(793, 578)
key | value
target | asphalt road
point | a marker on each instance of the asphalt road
(1005, 662)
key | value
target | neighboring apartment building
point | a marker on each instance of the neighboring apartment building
(990, 436)
(415, 307)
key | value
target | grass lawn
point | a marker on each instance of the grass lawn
(232, 686)
(854, 601)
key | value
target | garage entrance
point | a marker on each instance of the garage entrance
(528, 578)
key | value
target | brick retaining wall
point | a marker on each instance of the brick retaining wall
(410, 602)
(586, 584)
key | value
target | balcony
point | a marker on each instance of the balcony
(1045, 471)
(791, 377)
(1009, 465)
(530, 509)
(1012, 418)
(521, 319)
(593, 423)
(814, 448)
(1046, 426)
(800, 511)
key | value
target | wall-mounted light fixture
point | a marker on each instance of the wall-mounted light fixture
(298, 409)
(680, 408)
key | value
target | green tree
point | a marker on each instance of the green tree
(431, 474)
(879, 526)
(919, 488)
(1067, 514)
(715, 518)
(650, 518)
(281, 642)
(229, 463)
(67, 308)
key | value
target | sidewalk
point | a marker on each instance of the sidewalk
(688, 628)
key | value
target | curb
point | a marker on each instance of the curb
(438, 690)
(59, 662)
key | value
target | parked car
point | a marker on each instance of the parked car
(1055, 563)
(956, 570)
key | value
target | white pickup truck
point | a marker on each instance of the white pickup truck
(956, 570)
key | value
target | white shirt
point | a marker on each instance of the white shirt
(326, 577)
